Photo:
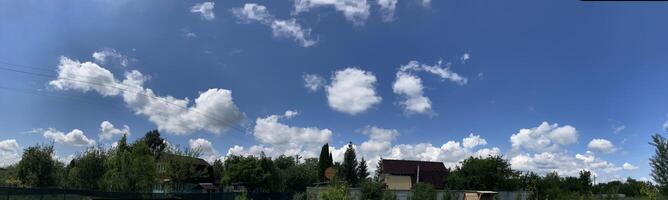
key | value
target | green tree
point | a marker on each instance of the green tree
(491, 173)
(325, 161)
(350, 165)
(86, 170)
(130, 167)
(218, 168)
(302, 175)
(37, 167)
(270, 175)
(284, 162)
(423, 191)
(379, 169)
(155, 143)
(245, 170)
(362, 170)
(659, 162)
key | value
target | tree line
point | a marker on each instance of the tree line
(131, 167)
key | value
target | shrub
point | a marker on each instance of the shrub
(372, 190)
(337, 191)
(424, 191)
(389, 195)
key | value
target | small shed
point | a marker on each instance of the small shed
(479, 195)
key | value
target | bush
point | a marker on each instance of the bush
(389, 195)
(242, 196)
(424, 191)
(337, 191)
(372, 190)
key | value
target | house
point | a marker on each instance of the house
(199, 175)
(404, 174)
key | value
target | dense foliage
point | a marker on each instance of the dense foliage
(423, 191)
(86, 170)
(37, 167)
(659, 162)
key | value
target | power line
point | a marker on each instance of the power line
(142, 92)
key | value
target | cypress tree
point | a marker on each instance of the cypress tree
(324, 161)
(350, 165)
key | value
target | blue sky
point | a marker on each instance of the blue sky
(551, 85)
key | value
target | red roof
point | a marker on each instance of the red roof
(433, 173)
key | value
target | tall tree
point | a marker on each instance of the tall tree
(659, 162)
(86, 170)
(350, 165)
(379, 169)
(325, 161)
(155, 143)
(362, 170)
(492, 173)
(37, 167)
(130, 167)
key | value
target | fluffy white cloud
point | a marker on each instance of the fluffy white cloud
(355, 11)
(545, 137)
(86, 76)
(104, 55)
(208, 152)
(473, 141)
(437, 69)
(380, 141)
(285, 139)
(629, 166)
(313, 82)
(75, 137)
(205, 9)
(387, 8)
(410, 88)
(251, 12)
(214, 110)
(9, 152)
(108, 131)
(352, 91)
(601, 145)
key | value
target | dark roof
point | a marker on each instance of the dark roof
(430, 172)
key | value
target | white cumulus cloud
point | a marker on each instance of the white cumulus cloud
(109, 131)
(545, 137)
(75, 137)
(629, 166)
(214, 110)
(205, 9)
(9, 152)
(278, 138)
(473, 140)
(352, 91)
(411, 89)
(601, 145)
